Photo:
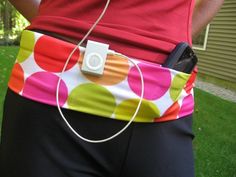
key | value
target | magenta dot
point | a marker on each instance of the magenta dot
(41, 86)
(187, 106)
(157, 80)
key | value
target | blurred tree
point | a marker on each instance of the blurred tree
(11, 23)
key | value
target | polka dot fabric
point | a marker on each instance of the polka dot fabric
(168, 94)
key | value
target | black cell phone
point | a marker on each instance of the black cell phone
(182, 58)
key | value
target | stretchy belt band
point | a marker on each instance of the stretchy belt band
(168, 94)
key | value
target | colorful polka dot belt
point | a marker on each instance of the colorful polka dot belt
(168, 94)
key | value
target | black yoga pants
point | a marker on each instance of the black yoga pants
(36, 143)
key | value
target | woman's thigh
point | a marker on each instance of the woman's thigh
(161, 150)
(36, 143)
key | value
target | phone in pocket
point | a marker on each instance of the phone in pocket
(182, 58)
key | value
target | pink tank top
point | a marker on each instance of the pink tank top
(146, 30)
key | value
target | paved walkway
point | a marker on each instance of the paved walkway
(216, 90)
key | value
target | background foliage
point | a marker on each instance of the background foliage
(11, 24)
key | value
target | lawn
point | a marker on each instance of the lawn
(214, 126)
(215, 141)
(7, 58)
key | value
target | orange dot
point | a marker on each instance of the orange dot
(170, 114)
(189, 85)
(115, 71)
(51, 54)
(16, 81)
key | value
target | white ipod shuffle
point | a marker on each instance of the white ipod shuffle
(94, 58)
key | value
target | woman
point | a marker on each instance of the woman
(36, 141)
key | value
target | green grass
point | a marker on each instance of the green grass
(7, 58)
(215, 130)
(214, 126)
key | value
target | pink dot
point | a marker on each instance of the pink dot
(41, 86)
(187, 106)
(157, 80)
(51, 54)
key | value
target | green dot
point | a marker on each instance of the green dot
(147, 112)
(177, 85)
(92, 99)
(26, 46)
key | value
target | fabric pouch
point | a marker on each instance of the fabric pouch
(168, 94)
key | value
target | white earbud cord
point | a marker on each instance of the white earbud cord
(63, 70)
